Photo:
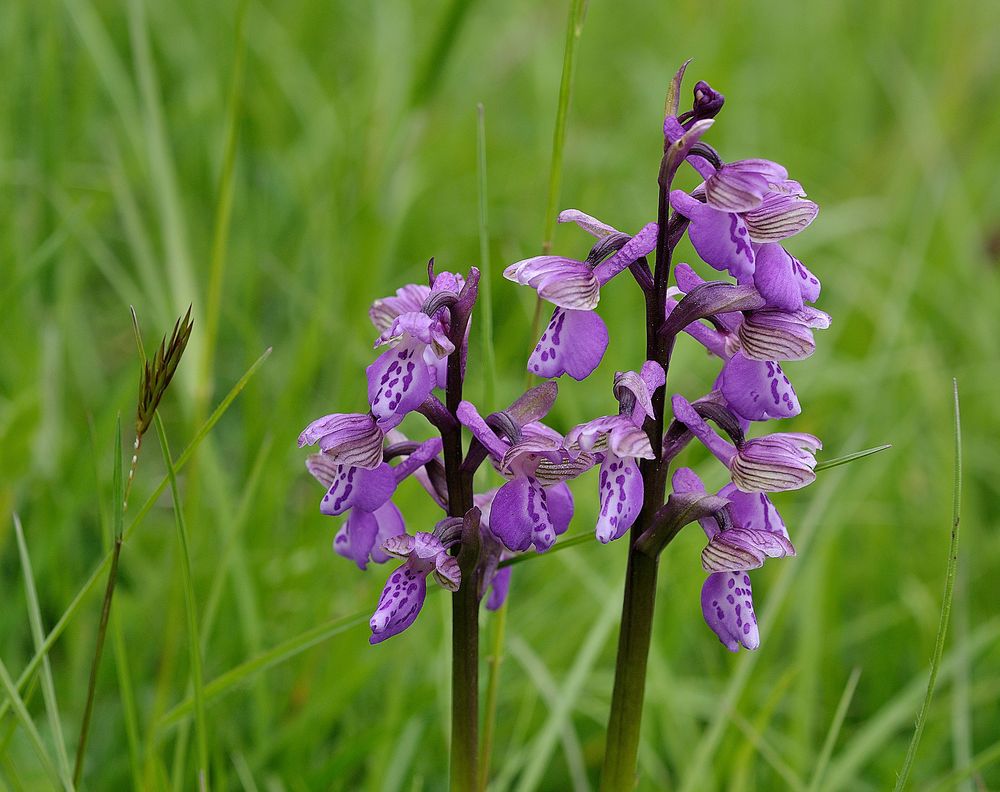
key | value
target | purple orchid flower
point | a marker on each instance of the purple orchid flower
(404, 592)
(535, 505)
(757, 532)
(575, 339)
(411, 298)
(621, 441)
(400, 380)
(365, 495)
(772, 463)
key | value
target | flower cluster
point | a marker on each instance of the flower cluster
(737, 219)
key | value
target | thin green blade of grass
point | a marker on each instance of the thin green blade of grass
(834, 731)
(223, 212)
(826, 464)
(38, 636)
(127, 694)
(949, 590)
(574, 29)
(194, 637)
(77, 602)
(485, 267)
(286, 650)
(29, 726)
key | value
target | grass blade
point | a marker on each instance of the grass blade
(77, 602)
(38, 636)
(949, 589)
(826, 464)
(286, 650)
(485, 267)
(194, 639)
(574, 29)
(835, 725)
(29, 726)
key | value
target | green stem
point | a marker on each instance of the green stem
(492, 691)
(625, 720)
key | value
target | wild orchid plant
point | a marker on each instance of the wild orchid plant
(736, 220)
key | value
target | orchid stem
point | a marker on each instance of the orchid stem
(465, 601)
(625, 720)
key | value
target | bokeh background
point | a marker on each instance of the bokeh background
(353, 159)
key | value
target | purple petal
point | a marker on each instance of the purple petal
(753, 510)
(353, 487)
(739, 549)
(727, 604)
(621, 497)
(560, 503)
(400, 603)
(782, 279)
(721, 238)
(741, 186)
(779, 216)
(409, 298)
(520, 516)
(591, 225)
(564, 282)
(773, 334)
(757, 390)
(421, 455)
(473, 421)
(499, 587)
(447, 572)
(638, 246)
(346, 439)
(777, 462)
(686, 480)
(363, 535)
(687, 415)
(398, 382)
(573, 343)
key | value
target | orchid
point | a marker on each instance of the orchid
(737, 219)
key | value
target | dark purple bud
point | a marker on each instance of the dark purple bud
(707, 101)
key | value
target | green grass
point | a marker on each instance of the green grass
(281, 169)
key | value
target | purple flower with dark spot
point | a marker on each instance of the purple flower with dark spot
(772, 463)
(535, 505)
(757, 532)
(400, 379)
(404, 592)
(365, 496)
(575, 339)
(621, 441)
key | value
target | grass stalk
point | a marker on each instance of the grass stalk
(194, 641)
(949, 589)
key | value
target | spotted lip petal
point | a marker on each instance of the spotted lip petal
(401, 601)
(721, 238)
(564, 282)
(398, 382)
(782, 280)
(358, 488)
(572, 343)
(727, 605)
(520, 516)
(621, 491)
(757, 390)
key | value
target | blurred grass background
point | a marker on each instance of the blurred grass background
(353, 161)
